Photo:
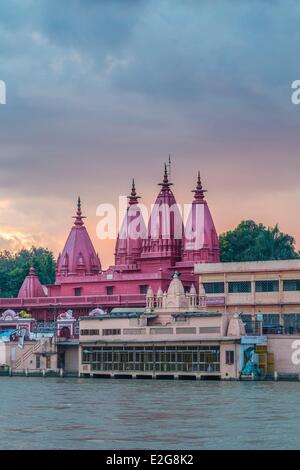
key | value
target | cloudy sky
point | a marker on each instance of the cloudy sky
(101, 91)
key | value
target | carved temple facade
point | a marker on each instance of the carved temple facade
(145, 259)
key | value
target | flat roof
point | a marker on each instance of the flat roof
(128, 310)
(111, 315)
(248, 266)
(197, 314)
(186, 340)
(118, 315)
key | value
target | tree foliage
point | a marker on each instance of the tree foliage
(255, 242)
(15, 267)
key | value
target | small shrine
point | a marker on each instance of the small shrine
(19, 324)
(65, 325)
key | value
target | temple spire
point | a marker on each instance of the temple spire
(165, 184)
(199, 191)
(31, 271)
(200, 243)
(133, 198)
(169, 166)
(165, 228)
(31, 286)
(78, 257)
(78, 217)
(131, 233)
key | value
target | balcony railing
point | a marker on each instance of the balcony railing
(64, 301)
(44, 327)
(253, 328)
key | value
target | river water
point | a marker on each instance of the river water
(57, 413)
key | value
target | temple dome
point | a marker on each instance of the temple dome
(9, 313)
(165, 227)
(176, 286)
(97, 311)
(149, 293)
(132, 231)
(78, 256)
(200, 242)
(176, 297)
(236, 327)
(31, 286)
(193, 290)
(159, 292)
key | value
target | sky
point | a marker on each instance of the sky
(99, 92)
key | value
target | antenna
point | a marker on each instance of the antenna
(169, 166)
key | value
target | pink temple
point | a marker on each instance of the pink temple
(78, 256)
(144, 257)
(31, 286)
(201, 242)
(132, 232)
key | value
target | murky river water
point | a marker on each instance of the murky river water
(50, 413)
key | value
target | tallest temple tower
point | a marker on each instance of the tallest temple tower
(162, 247)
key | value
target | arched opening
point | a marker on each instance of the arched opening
(65, 332)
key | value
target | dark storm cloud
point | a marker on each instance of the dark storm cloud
(197, 56)
(98, 88)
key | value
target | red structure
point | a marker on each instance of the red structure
(162, 247)
(200, 242)
(132, 232)
(78, 257)
(144, 257)
(31, 286)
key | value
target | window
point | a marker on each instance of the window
(246, 318)
(291, 323)
(154, 358)
(48, 362)
(267, 286)
(185, 330)
(77, 291)
(37, 361)
(109, 290)
(85, 356)
(271, 324)
(239, 287)
(271, 319)
(89, 332)
(143, 289)
(213, 287)
(252, 326)
(161, 331)
(209, 329)
(109, 332)
(134, 331)
(229, 358)
(291, 284)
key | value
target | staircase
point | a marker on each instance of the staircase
(33, 349)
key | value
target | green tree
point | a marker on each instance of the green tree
(255, 242)
(15, 267)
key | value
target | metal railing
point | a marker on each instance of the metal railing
(44, 327)
(252, 328)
